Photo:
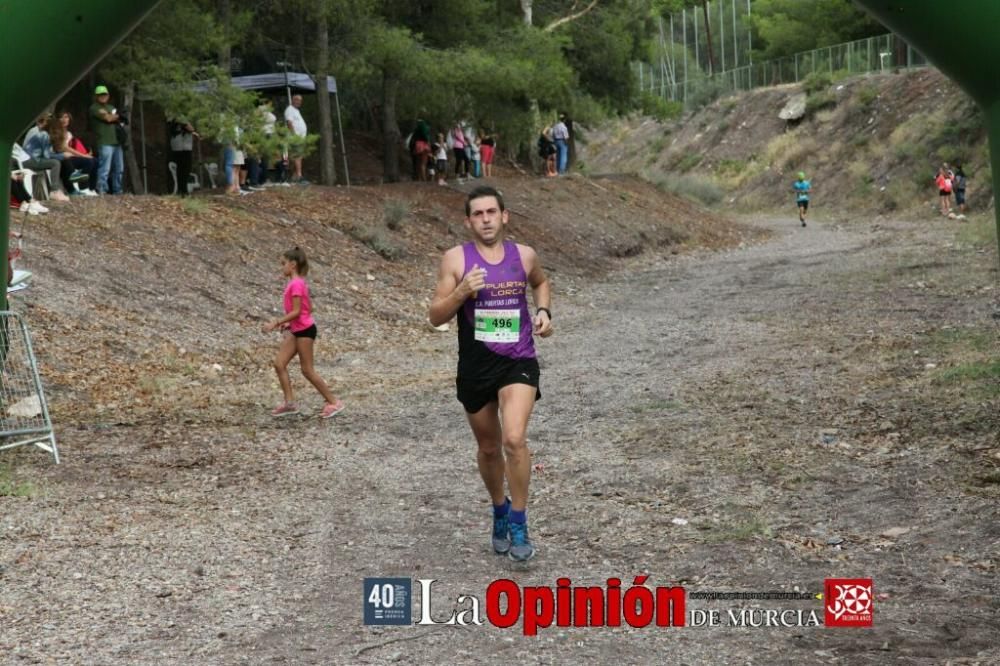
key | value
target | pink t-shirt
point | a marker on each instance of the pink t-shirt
(298, 287)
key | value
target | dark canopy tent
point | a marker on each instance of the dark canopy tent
(290, 81)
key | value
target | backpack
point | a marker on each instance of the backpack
(947, 185)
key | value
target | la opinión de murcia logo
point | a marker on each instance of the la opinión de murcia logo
(848, 602)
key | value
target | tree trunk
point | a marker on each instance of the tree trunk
(224, 12)
(131, 162)
(390, 128)
(327, 166)
(708, 38)
(300, 38)
(526, 11)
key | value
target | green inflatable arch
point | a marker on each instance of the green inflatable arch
(960, 38)
(46, 47)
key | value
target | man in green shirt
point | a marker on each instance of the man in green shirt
(111, 164)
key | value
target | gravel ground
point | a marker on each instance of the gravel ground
(777, 397)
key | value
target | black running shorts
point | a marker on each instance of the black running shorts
(476, 392)
(306, 332)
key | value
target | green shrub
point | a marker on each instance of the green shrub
(9, 487)
(860, 140)
(867, 96)
(980, 233)
(907, 150)
(193, 205)
(816, 82)
(377, 238)
(731, 166)
(659, 108)
(820, 100)
(394, 212)
(704, 91)
(698, 188)
(688, 162)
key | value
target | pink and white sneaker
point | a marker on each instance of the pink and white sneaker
(285, 409)
(332, 409)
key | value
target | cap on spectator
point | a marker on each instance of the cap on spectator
(101, 90)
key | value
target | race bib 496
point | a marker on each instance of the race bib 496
(498, 325)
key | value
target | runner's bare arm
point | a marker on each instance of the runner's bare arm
(288, 318)
(540, 290)
(452, 290)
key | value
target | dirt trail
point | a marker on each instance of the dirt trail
(695, 387)
(692, 389)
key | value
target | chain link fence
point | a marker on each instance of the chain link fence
(864, 56)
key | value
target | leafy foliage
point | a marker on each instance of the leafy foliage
(659, 108)
(785, 27)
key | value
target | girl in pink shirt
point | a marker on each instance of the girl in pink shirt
(299, 337)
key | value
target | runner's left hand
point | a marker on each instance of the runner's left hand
(542, 325)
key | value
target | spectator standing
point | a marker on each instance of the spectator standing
(182, 137)
(457, 140)
(547, 151)
(487, 148)
(259, 163)
(420, 149)
(944, 186)
(441, 157)
(560, 134)
(111, 164)
(471, 149)
(297, 124)
(958, 186)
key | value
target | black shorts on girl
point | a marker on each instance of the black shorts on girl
(306, 333)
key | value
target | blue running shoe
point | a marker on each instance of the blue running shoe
(501, 534)
(521, 548)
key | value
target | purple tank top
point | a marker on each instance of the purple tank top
(497, 319)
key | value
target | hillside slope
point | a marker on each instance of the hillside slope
(869, 144)
(136, 299)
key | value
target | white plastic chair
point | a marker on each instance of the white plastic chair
(21, 156)
(193, 182)
(172, 167)
(212, 169)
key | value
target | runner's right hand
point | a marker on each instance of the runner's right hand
(473, 281)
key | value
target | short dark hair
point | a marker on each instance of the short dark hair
(299, 257)
(479, 193)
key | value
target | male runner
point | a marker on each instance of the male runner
(485, 283)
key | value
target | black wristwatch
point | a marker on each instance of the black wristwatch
(546, 310)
